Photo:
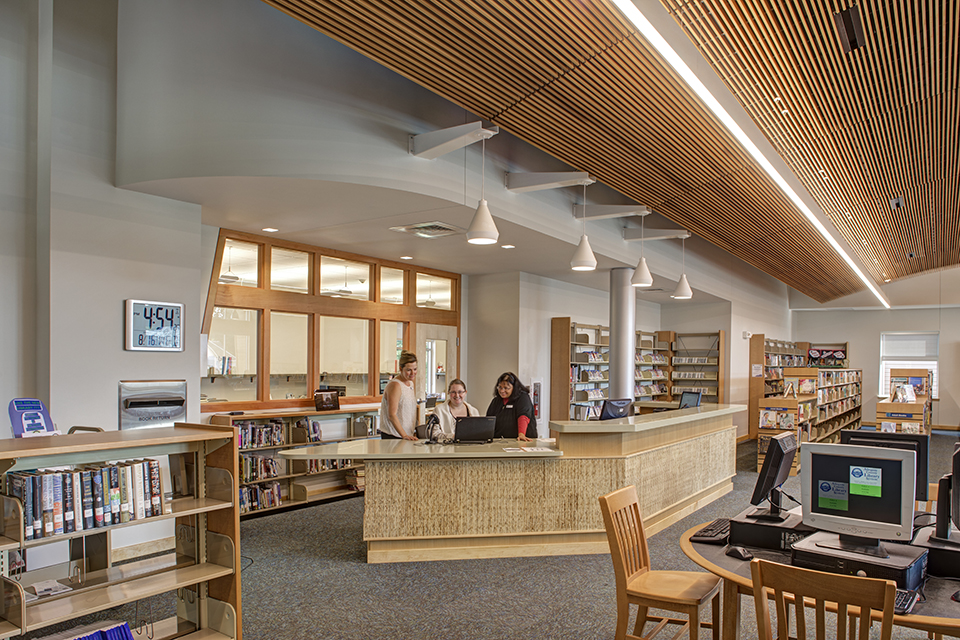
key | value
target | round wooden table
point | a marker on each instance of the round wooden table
(737, 581)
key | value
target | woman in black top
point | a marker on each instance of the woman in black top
(513, 409)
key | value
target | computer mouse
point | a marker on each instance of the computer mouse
(740, 553)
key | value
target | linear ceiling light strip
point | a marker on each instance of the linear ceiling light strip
(673, 59)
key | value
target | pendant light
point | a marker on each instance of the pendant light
(345, 291)
(229, 277)
(483, 230)
(641, 275)
(683, 290)
(583, 258)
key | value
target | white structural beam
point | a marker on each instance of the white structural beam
(608, 211)
(434, 144)
(632, 234)
(523, 182)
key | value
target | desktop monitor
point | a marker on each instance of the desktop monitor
(948, 502)
(617, 408)
(865, 494)
(774, 472)
(690, 399)
(919, 442)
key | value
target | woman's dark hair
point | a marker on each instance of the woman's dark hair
(518, 387)
(406, 357)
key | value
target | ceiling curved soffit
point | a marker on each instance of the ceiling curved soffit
(574, 80)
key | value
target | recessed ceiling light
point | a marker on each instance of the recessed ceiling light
(508, 246)
(406, 257)
(269, 229)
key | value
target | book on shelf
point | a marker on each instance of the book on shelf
(910, 427)
(888, 427)
(768, 419)
(86, 484)
(69, 525)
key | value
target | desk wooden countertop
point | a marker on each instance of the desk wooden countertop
(648, 422)
(377, 449)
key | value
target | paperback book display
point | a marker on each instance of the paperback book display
(64, 500)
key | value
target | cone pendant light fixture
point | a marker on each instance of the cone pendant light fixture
(683, 290)
(483, 230)
(583, 258)
(641, 275)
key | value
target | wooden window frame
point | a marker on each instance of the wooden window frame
(265, 300)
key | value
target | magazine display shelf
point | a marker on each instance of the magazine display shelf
(698, 365)
(917, 415)
(202, 569)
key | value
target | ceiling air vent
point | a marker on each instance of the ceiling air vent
(850, 29)
(645, 290)
(433, 229)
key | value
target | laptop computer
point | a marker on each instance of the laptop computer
(474, 429)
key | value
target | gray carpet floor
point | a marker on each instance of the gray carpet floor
(305, 577)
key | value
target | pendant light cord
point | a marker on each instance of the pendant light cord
(483, 167)
(642, 220)
(584, 216)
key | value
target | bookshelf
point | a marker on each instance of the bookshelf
(698, 365)
(268, 481)
(768, 357)
(907, 416)
(202, 570)
(778, 415)
(653, 355)
(828, 400)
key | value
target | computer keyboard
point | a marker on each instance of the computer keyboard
(716, 532)
(906, 598)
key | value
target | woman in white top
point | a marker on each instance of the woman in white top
(398, 409)
(455, 407)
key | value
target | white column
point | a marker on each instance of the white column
(623, 336)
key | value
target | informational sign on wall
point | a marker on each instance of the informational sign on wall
(757, 371)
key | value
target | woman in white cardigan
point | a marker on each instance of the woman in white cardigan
(455, 407)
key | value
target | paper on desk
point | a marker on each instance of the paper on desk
(536, 449)
(512, 449)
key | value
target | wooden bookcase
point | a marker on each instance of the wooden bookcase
(698, 365)
(778, 415)
(918, 412)
(835, 405)
(768, 357)
(580, 367)
(202, 571)
(267, 481)
(824, 355)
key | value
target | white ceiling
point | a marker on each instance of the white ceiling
(357, 219)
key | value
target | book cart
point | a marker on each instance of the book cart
(201, 571)
(268, 482)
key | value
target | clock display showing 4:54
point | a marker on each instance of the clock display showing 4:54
(154, 326)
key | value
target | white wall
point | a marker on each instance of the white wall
(862, 329)
(17, 231)
(107, 244)
(493, 341)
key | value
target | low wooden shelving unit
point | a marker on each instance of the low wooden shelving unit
(269, 482)
(202, 570)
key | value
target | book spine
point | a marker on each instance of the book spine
(147, 505)
(99, 516)
(78, 500)
(57, 503)
(37, 505)
(138, 508)
(86, 480)
(18, 486)
(114, 494)
(69, 525)
(47, 505)
(127, 469)
(124, 494)
(156, 489)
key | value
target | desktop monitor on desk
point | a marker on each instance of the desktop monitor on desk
(690, 399)
(864, 494)
(919, 442)
(777, 462)
(616, 408)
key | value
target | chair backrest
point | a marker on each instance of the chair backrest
(805, 587)
(628, 543)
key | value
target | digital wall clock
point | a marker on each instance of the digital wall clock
(154, 326)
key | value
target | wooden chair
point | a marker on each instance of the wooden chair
(686, 592)
(854, 596)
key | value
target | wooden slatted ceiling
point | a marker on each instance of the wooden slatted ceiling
(572, 78)
(879, 122)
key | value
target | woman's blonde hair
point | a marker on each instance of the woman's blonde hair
(406, 357)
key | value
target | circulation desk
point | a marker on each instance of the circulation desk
(445, 502)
